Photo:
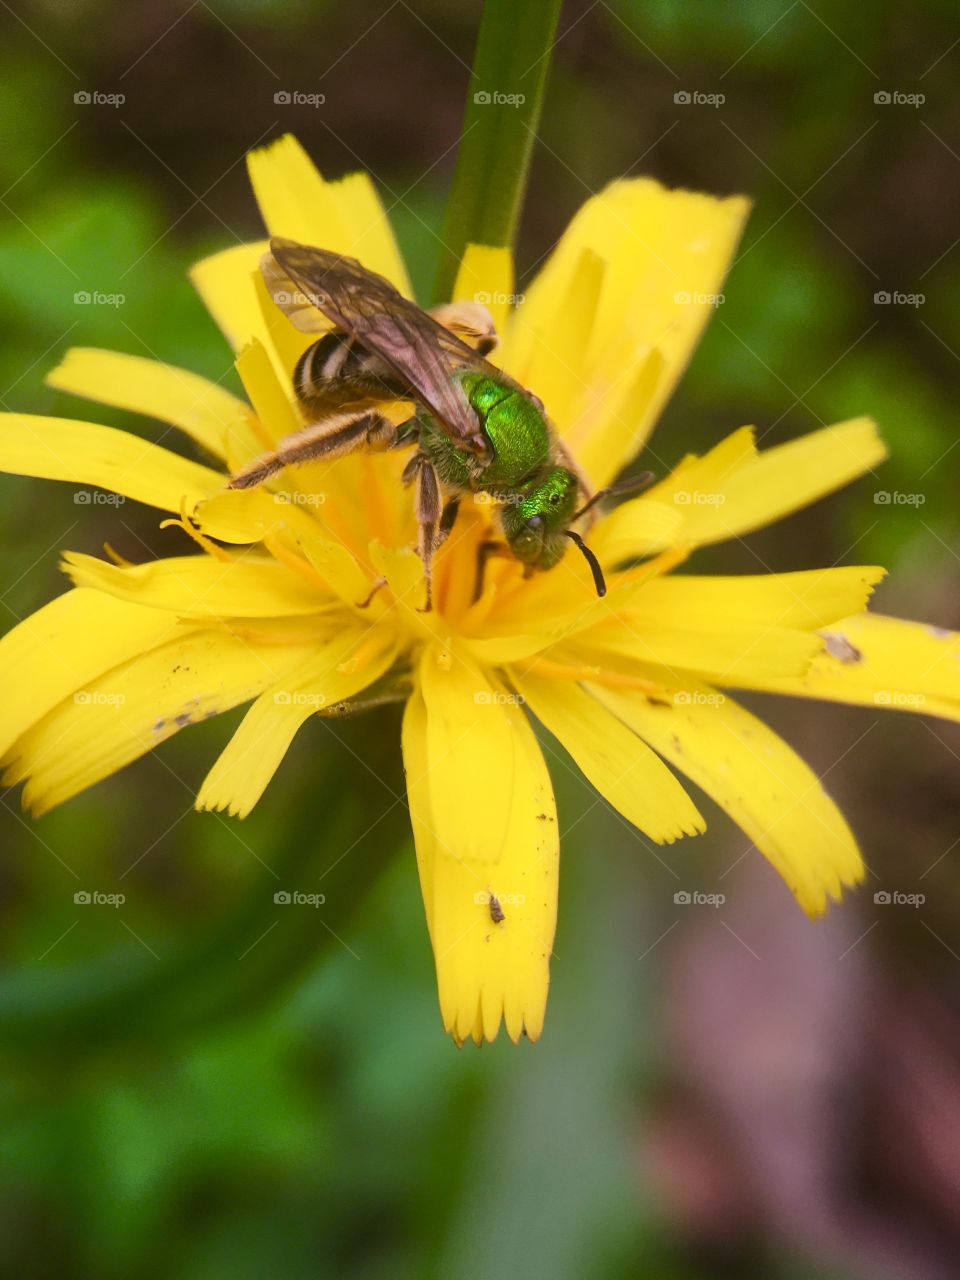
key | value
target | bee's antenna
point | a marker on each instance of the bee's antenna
(595, 566)
(630, 485)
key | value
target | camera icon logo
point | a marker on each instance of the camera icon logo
(82, 897)
(682, 898)
(882, 98)
(82, 98)
(482, 98)
(282, 98)
(282, 897)
(682, 98)
(882, 897)
(882, 298)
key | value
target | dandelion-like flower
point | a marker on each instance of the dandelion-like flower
(277, 609)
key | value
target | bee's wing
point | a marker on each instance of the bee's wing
(420, 351)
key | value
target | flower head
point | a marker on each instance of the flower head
(281, 607)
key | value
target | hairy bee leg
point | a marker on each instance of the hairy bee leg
(332, 438)
(428, 511)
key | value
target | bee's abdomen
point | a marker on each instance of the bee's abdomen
(335, 371)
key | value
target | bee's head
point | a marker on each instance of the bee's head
(537, 525)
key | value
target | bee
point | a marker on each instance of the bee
(474, 429)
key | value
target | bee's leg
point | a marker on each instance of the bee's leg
(428, 509)
(448, 519)
(486, 549)
(332, 438)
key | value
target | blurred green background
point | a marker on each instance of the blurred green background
(199, 1084)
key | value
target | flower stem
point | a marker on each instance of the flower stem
(504, 100)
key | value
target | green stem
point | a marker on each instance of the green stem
(500, 123)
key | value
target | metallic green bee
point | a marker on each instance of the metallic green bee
(475, 430)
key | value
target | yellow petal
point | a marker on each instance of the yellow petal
(200, 586)
(132, 708)
(806, 600)
(268, 395)
(489, 967)
(206, 412)
(623, 769)
(85, 454)
(732, 490)
(249, 515)
(758, 779)
(667, 253)
(888, 663)
(552, 359)
(225, 282)
(371, 237)
(471, 739)
(485, 275)
(724, 651)
(66, 644)
(251, 757)
(344, 217)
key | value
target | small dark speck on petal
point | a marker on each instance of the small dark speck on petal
(182, 719)
(839, 647)
(159, 726)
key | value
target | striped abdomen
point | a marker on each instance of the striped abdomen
(335, 372)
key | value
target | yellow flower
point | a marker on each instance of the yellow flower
(269, 612)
